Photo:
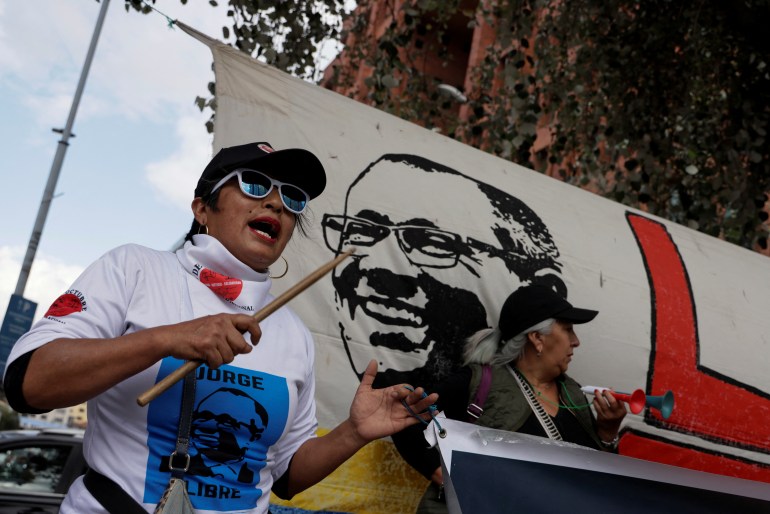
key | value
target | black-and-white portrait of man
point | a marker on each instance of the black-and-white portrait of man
(418, 284)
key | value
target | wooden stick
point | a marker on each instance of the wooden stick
(178, 374)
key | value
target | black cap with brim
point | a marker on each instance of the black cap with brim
(294, 166)
(530, 305)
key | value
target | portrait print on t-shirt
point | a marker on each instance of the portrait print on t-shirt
(238, 414)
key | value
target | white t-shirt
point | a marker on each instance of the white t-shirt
(250, 416)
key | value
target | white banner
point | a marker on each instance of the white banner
(445, 232)
(478, 464)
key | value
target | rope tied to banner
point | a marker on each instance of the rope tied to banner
(431, 410)
(170, 21)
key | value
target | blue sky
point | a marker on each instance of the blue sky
(140, 141)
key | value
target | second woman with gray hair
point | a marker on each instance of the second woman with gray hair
(514, 378)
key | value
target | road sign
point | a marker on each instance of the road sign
(17, 321)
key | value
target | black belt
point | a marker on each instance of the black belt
(111, 495)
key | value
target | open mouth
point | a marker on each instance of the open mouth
(266, 228)
(389, 309)
(392, 312)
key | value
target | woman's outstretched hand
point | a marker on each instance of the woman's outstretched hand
(377, 413)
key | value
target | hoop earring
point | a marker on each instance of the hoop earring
(203, 227)
(284, 271)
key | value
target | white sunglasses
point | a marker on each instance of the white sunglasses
(258, 185)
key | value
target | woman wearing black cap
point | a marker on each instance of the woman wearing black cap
(136, 314)
(515, 379)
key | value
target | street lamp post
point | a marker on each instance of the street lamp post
(61, 149)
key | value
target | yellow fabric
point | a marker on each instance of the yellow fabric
(377, 467)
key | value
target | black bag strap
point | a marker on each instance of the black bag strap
(111, 495)
(183, 435)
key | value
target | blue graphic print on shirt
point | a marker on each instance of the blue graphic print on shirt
(238, 415)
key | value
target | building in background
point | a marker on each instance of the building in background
(70, 417)
(519, 81)
(462, 44)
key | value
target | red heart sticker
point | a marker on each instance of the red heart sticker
(64, 305)
(227, 287)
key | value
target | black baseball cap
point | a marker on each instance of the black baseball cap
(294, 165)
(529, 305)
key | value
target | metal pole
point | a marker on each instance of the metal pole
(58, 159)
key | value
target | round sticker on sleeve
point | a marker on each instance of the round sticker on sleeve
(66, 304)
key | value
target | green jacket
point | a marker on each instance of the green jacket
(506, 408)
